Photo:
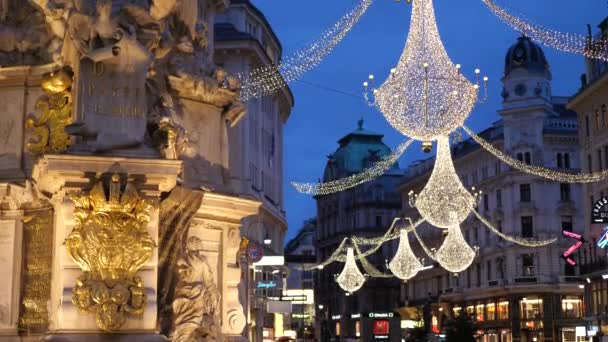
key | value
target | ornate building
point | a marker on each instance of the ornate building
(512, 292)
(590, 104)
(119, 206)
(244, 40)
(300, 253)
(366, 210)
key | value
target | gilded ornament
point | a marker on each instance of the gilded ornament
(55, 108)
(110, 243)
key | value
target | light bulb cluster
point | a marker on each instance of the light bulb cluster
(515, 239)
(405, 265)
(562, 41)
(266, 80)
(455, 255)
(444, 202)
(350, 279)
(558, 176)
(373, 172)
(426, 95)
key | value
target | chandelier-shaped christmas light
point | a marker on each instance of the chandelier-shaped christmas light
(405, 265)
(455, 255)
(562, 41)
(266, 80)
(351, 279)
(444, 202)
(425, 96)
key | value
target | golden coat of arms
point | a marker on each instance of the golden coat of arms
(110, 243)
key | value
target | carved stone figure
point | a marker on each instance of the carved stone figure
(55, 109)
(110, 243)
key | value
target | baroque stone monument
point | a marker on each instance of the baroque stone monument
(117, 217)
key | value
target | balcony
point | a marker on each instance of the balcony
(525, 280)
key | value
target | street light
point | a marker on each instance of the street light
(321, 306)
(267, 240)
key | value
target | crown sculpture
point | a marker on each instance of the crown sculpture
(110, 243)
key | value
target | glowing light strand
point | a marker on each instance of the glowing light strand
(268, 79)
(371, 270)
(515, 239)
(375, 171)
(558, 176)
(562, 41)
(425, 95)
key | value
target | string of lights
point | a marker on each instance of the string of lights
(425, 96)
(266, 80)
(370, 269)
(375, 171)
(558, 176)
(562, 41)
(515, 239)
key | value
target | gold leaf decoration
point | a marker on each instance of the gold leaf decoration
(55, 108)
(110, 243)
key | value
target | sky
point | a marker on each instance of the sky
(472, 36)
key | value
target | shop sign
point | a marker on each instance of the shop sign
(355, 316)
(255, 252)
(301, 298)
(568, 253)
(336, 317)
(381, 314)
(599, 212)
(266, 285)
(381, 328)
(581, 331)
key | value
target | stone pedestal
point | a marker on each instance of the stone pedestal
(59, 175)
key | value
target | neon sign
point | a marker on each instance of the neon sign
(603, 241)
(599, 213)
(266, 285)
(580, 240)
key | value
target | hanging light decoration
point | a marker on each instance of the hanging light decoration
(351, 279)
(405, 265)
(562, 177)
(444, 202)
(455, 254)
(515, 239)
(371, 173)
(425, 96)
(562, 41)
(266, 80)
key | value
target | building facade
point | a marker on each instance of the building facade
(244, 40)
(366, 210)
(512, 292)
(299, 255)
(590, 104)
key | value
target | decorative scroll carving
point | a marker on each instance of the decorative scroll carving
(110, 243)
(55, 114)
(37, 265)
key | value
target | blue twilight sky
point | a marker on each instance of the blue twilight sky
(472, 36)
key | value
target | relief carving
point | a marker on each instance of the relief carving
(110, 243)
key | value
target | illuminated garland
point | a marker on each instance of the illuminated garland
(371, 270)
(562, 177)
(563, 41)
(515, 239)
(375, 171)
(425, 96)
(266, 80)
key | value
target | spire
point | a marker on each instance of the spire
(360, 124)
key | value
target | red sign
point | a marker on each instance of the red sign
(566, 255)
(381, 327)
(572, 235)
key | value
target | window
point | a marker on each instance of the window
(567, 223)
(500, 271)
(479, 309)
(572, 307)
(490, 311)
(525, 193)
(567, 160)
(478, 274)
(489, 269)
(587, 125)
(597, 119)
(497, 168)
(527, 261)
(520, 157)
(560, 163)
(475, 178)
(564, 192)
(498, 198)
(527, 158)
(484, 172)
(486, 202)
(527, 229)
(503, 310)
(378, 221)
(531, 308)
